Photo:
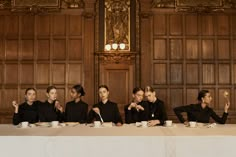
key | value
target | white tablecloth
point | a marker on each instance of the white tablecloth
(128, 140)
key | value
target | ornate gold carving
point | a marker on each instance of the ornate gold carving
(73, 4)
(230, 3)
(199, 5)
(117, 22)
(163, 3)
(116, 57)
(4, 4)
(35, 6)
(195, 5)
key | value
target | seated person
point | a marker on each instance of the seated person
(105, 110)
(156, 112)
(27, 111)
(51, 110)
(201, 112)
(76, 110)
(134, 112)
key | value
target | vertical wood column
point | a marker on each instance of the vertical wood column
(145, 42)
(88, 58)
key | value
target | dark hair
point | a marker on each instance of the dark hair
(103, 86)
(149, 89)
(202, 94)
(137, 89)
(50, 88)
(26, 91)
(79, 89)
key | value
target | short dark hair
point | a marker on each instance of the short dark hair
(137, 89)
(50, 88)
(79, 89)
(28, 89)
(103, 86)
(202, 94)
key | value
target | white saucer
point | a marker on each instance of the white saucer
(19, 126)
(172, 125)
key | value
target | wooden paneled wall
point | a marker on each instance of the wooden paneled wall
(180, 54)
(190, 52)
(42, 50)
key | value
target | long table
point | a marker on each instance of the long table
(128, 140)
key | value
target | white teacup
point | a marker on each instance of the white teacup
(97, 124)
(138, 124)
(169, 123)
(144, 124)
(54, 123)
(24, 124)
(192, 124)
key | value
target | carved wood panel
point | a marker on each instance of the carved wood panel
(42, 50)
(193, 52)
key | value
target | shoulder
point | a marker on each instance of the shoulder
(112, 103)
(84, 103)
(209, 109)
(70, 102)
(159, 102)
(22, 105)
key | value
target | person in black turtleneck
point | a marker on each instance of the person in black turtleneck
(108, 110)
(201, 112)
(27, 111)
(156, 112)
(134, 112)
(76, 110)
(51, 110)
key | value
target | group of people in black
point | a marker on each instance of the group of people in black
(151, 110)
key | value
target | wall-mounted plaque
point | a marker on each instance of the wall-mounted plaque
(40, 3)
(199, 5)
(194, 3)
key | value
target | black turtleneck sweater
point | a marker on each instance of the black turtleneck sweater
(27, 113)
(109, 113)
(156, 111)
(48, 113)
(195, 112)
(134, 115)
(76, 112)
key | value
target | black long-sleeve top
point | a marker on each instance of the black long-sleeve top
(48, 113)
(76, 112)
(134, 115)
(27, 113)
(157, 111)
(109, 113)
(195, 112)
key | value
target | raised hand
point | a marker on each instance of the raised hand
(15, 105)
(96, 110)
(132, 104)
(58, 106)
(139, 107)
(227, 105)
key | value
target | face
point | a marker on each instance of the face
(30, 95)
(103, 93)
(138, 97)
(150, 96)
(207, 98)
(52, 95)
(74, 94)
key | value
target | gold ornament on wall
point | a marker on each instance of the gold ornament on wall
(117, 25)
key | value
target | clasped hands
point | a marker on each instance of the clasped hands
(136, 106)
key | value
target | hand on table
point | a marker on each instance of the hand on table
(153, 122)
